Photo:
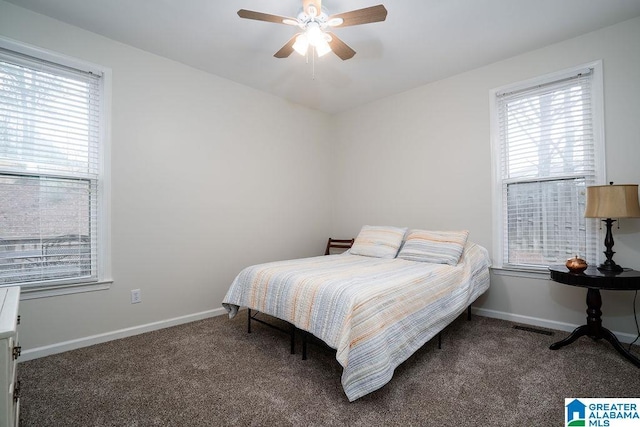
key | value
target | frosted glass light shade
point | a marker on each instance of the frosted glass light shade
(323, 48)
(314, 34)
(301, 45)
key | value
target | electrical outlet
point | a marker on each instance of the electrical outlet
(136, 296)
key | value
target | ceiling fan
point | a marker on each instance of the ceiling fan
(314, 22)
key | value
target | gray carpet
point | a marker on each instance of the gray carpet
(212, 372)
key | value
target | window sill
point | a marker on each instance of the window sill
(54, 291)
(521, 272)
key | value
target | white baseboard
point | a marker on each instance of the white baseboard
(48, 350)
(135, 330)
(543, 323)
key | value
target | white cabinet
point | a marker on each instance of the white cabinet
(9, 352)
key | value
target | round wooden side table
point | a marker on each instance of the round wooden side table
(595, 280)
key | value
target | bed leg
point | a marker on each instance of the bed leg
(469, 313)
(248, 320)
(439, 340)
(293, 339)
(304, 345)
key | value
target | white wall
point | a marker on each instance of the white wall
(208, 176)
(422, 159)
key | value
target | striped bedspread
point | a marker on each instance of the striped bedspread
(375, 312)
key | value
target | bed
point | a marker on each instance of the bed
(375, 304)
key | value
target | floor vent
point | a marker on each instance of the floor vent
(535, 330)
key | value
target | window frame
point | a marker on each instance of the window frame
(498, 222)
(103, 229)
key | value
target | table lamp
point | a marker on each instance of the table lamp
(611, 201)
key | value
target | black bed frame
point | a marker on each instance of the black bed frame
(291, 331)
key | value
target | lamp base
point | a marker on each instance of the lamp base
(610, 267)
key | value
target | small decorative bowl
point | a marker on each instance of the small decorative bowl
(576, 264)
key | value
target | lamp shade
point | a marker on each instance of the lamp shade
(612, 201)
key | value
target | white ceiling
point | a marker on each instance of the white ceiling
(421, 41)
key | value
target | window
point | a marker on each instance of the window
(547, 150)
(51, 170)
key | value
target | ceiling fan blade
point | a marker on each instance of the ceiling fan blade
(287, 49)
(340, 48)
(259, 16)
(362, 16)
(316, 3)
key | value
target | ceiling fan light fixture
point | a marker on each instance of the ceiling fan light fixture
(314, 34)
(301, 45)
(334, 22)
(322, 48)
(319, 41)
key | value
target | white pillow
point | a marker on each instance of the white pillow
(439, 247)
(378, 241)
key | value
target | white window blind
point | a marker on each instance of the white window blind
(49, 172)
(547, 158)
